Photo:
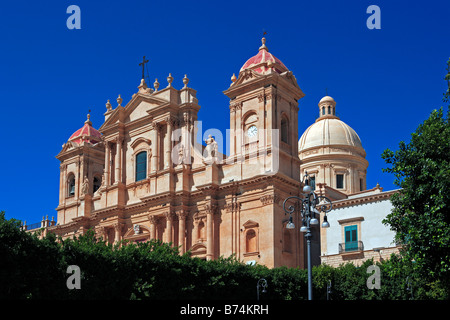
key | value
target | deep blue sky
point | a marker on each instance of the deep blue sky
(385, 82)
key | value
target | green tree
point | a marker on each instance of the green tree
(420, 216)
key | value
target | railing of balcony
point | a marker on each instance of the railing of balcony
(351, 246)
(32, 226)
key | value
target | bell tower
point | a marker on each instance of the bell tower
(81, 176)
(264, 116)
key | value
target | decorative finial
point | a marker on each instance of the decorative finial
(185, 80)
(169, 80)
(156, 84)
(88, 121)
(108, 106)
(233, 78)
(143, 87)
(263, 47)
(119, 101)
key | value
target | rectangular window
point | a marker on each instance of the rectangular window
(361, 186)
(340, 181)
(351, 238)
(312, 182)
(141, 166)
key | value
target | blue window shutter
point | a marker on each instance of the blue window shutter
(141, 166)
(351, 238)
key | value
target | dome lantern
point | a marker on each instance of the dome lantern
(327, 108)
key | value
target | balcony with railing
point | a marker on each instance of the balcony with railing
(43, 224)
(351, 247)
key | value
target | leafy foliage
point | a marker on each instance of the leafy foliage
(420, 216)
(33, 268)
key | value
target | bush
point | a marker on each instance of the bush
(33, 268)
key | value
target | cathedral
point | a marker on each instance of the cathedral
(142, 175)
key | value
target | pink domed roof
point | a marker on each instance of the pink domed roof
(264, 61)
(87, 133)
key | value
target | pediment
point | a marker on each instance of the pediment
(140, 140)
(68, 145)
(136, 108)
(250, 224)
(246, 75)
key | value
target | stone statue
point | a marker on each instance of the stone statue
(180, 153)
(211, 147)
(85, 186)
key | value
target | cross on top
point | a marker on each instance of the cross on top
(143, 66)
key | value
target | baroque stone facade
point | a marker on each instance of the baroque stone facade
(143, 176)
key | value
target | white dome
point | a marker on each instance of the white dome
(327, 132)
(327, 99)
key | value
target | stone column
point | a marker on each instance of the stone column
(181, 230)
(78, 180)
(195, 228)
(118, 177)
(155, 148)
(168, 145)
(209, 232)
(232, 130)
(153, 222)
(239, 131)
(61, 183)
(107, 163)
(101, 233)
(117, 228)
(169, 222)
(186, 137)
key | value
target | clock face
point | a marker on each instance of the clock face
(252, 131)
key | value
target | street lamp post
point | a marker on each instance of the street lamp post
(261, 283)
(308, 211)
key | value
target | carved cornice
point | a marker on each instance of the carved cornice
(170, 215)
(235, 106)
(156, 126)
(182, 214)
(153, 219)
(210, 208)
(233, 206)
(199, 215)
(172, 121)
(363, 199)
(270, 199)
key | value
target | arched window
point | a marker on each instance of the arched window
(329, 110)
(97, 183)
(323, 110)
(141, 165)
(71, 185)
(284, 130)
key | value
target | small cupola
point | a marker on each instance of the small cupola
(327, 108)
